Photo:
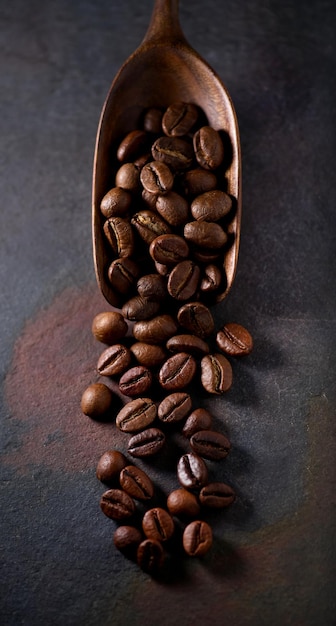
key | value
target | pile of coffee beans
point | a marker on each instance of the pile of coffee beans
(164, 225)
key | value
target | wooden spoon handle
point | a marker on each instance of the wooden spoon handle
(164, 26)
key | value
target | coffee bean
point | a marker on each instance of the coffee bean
(196, 318)
(152, 121)
(179, 118)
(205, 235)
(136, 483)
(142, 160)
(127, 539)
(198, 181)
(217, 495)
(132, 145)
(122, 274)
(135, 381)
(183, 280)
(116, 203)
(168, 249)
(162, 269)
(192, 472)
(146, 443)
(208, 148)
(210, 444)
(110, 465)
(147, 354)
(174, 407)
(154, 331)
(150, 556)
(216, 373)
(96, 400)
(153, 287)
(156, 177)
(128, 177)
(119, 234)
(211, 206)
(149, 225)
(158, 524)
(177, 371)
(173, 208)
(199, 419)
(140, 308)
(188, 343)
(177, 153)
(234, 339)
(114, 360)
(183, 503)
(197, 538)
(136, 415)
(149, 199)
(212, 278)
(109, 327)
(117, 504)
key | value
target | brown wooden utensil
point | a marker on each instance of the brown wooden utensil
(162, 70)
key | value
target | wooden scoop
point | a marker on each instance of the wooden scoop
(162, 70)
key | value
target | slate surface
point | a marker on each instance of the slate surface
(273, 560)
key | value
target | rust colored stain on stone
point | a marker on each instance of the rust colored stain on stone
(54, 360)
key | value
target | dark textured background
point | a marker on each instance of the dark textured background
(273, 560)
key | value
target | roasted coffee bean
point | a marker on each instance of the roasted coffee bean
(135, 381)
(136, 483)
(177, 153)
(208, 235)
(114, 360)
(127, 539)
(234, 339)
(183, 280)
(119, 234)
(157, 330)
(217, 495)
(133, 144)
(197, 538)
(208, 148)
(178, 371)
(199, 419)
(136, 415)
(179, 118)
(211, 206)
(96, 400)
(188, 343)
(199, 181)
(117, 504)
(212, 278)
(173, 208)
(152, 121)
(110, 465)
(122, 274)
(147, 354)
(216, 373)
(169, 249)
(149, 199)
(140, 308)
(109, 327)
(162, 269)
(156, 177)
(149, 225)
(203, 255)
(158, 524)
(116, 203)
(142, 160)
(174, 407)
(146, 443)
(128, 177)
(210, 444)
(183, 503)
(196, 318)
(153, 287)
(150, 556)
(192, 472)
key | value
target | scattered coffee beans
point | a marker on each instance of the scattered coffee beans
(96, 400)
(109, 327)
(183, 503)
(197, 538)
(136, 483)
(110, 465)
(158, 524)
(127, 539)
(117, 504)
(146, 443)
(234, 339)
